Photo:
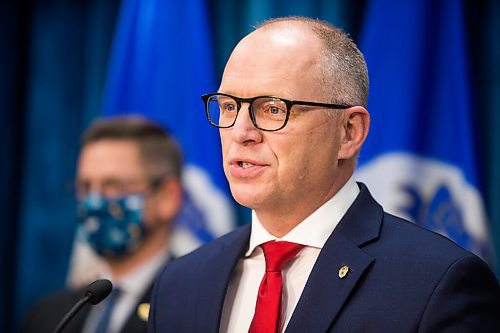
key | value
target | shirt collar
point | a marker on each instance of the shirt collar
(136, 281)
(316, 228)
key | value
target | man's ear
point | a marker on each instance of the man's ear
(355, 123)
(169, 198)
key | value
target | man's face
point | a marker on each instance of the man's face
(113, 168)
(292, 169)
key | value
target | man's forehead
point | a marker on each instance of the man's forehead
(247, 87)
(269, 48)
(273, 60)
(283, 34)
(108, 155)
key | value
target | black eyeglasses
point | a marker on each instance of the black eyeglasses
(116, 187)
(267, 113)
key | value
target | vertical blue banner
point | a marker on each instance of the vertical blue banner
(419, 159)
(161, 62)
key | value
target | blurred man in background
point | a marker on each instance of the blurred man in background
(129, 192)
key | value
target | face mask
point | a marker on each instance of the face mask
(113, 227)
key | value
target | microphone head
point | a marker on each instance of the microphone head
(98, 290)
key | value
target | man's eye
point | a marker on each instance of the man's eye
(274, 110)
(229, 107)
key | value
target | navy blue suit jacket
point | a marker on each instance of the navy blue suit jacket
(402, 278)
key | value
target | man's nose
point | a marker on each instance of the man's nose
(243, 129)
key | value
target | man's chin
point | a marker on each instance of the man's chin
(246, 195)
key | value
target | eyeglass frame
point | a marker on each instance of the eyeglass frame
(116, 187)
(288, 103)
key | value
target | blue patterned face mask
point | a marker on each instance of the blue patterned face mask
(113, 227)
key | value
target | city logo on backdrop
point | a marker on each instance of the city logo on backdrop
(430, 193)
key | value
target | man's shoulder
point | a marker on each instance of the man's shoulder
(210, 251)
(413, 238)
(59, 297)
(197, 273)
(44, 314)
(389, 231)
(395, 236)
(411, 252)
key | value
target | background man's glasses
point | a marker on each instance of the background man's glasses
(115, 187)
(267, 113)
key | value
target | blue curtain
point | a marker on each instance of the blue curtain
(54, 54)
(53, 62)
(12, 37)
(234, 19)
(484, 29)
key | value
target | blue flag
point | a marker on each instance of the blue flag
(419, 159)
(161, 62)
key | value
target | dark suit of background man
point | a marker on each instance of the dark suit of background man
(129, 191)
(360, 270)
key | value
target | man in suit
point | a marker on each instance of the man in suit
(129, 192)
(320, 254)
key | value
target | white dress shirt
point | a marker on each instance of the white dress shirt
(313, 232)
(132, 286)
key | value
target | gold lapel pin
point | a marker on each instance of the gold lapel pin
(143, 311)
(343, 271)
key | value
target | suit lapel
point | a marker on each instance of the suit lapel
(328, 288)
(137, 321)
(219, 267)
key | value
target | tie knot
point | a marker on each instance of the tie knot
(277, 254)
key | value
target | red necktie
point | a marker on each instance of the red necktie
(267, 309)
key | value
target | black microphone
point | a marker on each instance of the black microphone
(94, 294)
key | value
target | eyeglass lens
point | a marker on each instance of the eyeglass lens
(269, 113)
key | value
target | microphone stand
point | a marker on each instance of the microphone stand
(95, 293)
(71, 313)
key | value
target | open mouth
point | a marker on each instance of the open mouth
(244, 165)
